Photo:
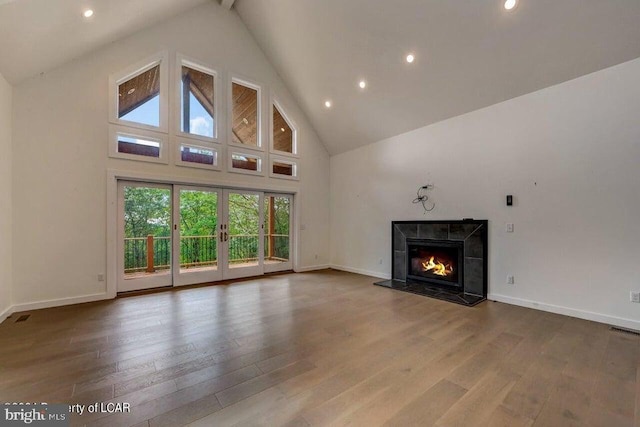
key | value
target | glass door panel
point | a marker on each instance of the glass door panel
(196, 235)
(242, 229)
(144, 236)
(277, 234)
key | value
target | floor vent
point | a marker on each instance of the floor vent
(626, 331)
(23, 318)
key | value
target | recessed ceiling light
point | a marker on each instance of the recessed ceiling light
(410, 58)
(87, 13)
(282, 129)
(362, 84)
(510, 4)
(130, 91)
(327, 104)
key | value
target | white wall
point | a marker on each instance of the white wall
(60, 155)
(569, 154)
(5, 197)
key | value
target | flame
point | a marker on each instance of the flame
(437, 268)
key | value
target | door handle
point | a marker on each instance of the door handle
(221, 238)
(226, 236)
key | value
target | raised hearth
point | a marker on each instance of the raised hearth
(441, 259)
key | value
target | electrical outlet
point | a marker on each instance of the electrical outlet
(316, 256)
(510, 280)
(509, 227)
(100, 277)
(635, 296)
(380, 261)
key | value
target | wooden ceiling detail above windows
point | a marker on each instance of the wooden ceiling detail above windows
(138, 90)
(201, 86)
(245, 115)
(282, 133)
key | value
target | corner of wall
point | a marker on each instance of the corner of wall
(6, 199)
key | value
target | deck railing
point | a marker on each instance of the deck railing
(199, 251)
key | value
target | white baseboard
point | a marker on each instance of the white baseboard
(58, 302)
(580, 314)
(6, 313)
(312, 268)
(377, 274)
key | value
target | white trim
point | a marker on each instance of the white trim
(360, 271)
(255, 155)
(311, 268)
(235, 78)
(182, 60)
(292, 124)
(161, 58)
(59, 302)
(128, 175)
(180, 142)
(6, 313)
(115, 130)
(567, 311)
(289, 161)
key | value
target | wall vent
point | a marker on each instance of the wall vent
(23, 318)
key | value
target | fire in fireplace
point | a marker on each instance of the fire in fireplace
(434, 261)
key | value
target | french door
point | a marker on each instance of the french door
(278, 223)
(197, 235)
(243, 234)
(173, 235)
(144, 236)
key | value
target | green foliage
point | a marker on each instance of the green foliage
(198, 213)
(148, 212)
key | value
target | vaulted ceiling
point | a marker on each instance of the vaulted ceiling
(469, 54)
(39, 35)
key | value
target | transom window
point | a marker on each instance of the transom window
(196, 156)
(284, 134)
(244, 162)
(139, 95)
(139, 98)
(197, 101)
(245, 117)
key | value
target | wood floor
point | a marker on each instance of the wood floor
(322, 348)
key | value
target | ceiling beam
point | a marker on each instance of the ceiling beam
(227, 3)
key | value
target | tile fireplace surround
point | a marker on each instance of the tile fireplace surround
(473, 235)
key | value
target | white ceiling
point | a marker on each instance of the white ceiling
(39, 35)
(470, 54)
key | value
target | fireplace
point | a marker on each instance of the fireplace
(447, 260)
(435, 261)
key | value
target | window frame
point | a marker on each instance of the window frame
(235, 78)
(247, 153)
(183, 60)
(275, 103)
(116, 130)
(116, 79)
(180, 142)
(287, 160)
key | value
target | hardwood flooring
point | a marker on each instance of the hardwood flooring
(320, 348)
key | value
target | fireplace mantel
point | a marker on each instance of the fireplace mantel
(471, 236)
